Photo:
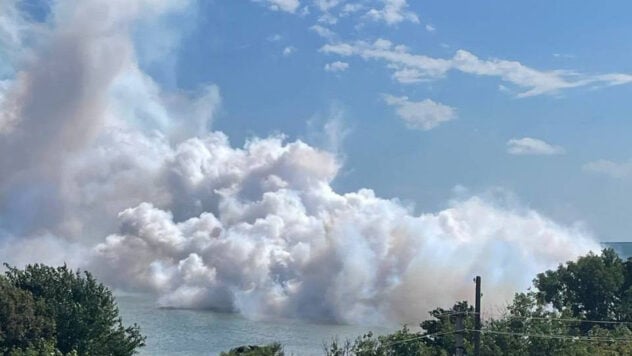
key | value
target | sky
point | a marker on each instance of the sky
(540, 110)
(538, 107)
(252, 156)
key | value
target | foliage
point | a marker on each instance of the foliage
(274, 349)
(23, 321)
(38, 349)
(403, 342)
(590, 288)
(73, 313)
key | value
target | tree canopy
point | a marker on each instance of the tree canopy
(67, 311)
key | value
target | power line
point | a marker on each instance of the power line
(509, 333)
(569, 320)
(559, 319)
(419, 338)
(558, 336)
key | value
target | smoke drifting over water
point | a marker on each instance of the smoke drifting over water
(103, 169)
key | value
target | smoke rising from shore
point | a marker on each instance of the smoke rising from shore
(103, 169)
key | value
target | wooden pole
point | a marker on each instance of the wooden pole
(477, 317)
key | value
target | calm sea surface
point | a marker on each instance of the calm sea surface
(195, 332)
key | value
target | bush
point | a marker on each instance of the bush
(71, 311)
(401, 343)
(274, 349)
(24, 322)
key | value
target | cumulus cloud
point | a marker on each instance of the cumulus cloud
(336, 66)
(288, 51)
(351, 8)
(103, 105)
(324, 32)
(532, 146)
(364, 258)
(105, 170)
(618, 170)
(423, 115)
(326, 5)
(393, 12)
(277, 237)
(409, 67)
(282, 5)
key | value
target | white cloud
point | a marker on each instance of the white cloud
(613, 169)
(430, 28)
(326, 5)
(328, 18)
(336, 66)
(532, 146)
(423, 115)
(282, 5)
(275, 37)
(14, 31)
(564, 55)
(393, 12)
(351, 8)
(409, 67)
(329, 132)
(288, 51)
(408, 75)
(272, 256)
(324, 32)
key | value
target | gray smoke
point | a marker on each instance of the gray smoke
(101, 168)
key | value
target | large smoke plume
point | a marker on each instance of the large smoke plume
(101, 168)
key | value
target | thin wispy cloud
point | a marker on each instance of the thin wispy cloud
(326, 5)
(351, 8)
(281, 5)
(617, 170)
(288, 51)
(409, 67)
(275, 37)
(392, 13)
(324, 32)
(421, 115)
(336, 66)
(532, 146)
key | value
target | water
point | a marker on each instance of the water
(195, 332)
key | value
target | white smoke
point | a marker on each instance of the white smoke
(101, 168)
(277, 240)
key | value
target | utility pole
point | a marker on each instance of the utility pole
(477, 317)
(459, 332)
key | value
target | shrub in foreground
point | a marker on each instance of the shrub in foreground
(70, 312)
(274, 349)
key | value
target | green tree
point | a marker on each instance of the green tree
(591, 287)
(23, 321)
(84, 312)
(403, 342)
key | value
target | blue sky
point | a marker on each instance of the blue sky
(239, 46)
(421, 99)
